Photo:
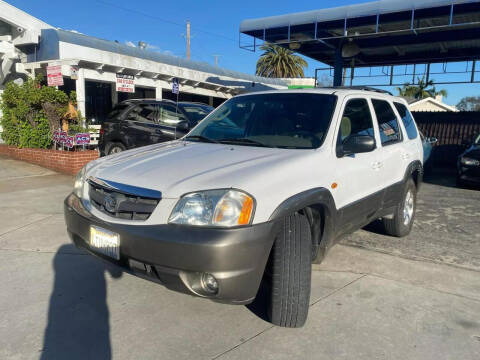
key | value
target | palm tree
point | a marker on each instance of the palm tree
(422, 90)
(279, 62)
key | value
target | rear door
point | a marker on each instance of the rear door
(358, 176)
(141, 127)
(393, 155)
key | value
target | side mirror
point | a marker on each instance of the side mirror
(432, 140)
(356, 144)
(183, 125)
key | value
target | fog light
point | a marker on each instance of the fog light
(209, 283)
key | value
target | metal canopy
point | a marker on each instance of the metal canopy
(388, 32)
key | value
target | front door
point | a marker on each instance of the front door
(141, 125)
(394, 157)
(359, 191)
(169, 118)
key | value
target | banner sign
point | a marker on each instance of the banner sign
(125, 83)
(56, 136)
(175, 86)
(69, 141)
(82, 139)
(54, 75)
(59, 136)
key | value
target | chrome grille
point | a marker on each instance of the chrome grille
(122, 201)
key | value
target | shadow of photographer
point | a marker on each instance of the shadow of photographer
(78, 317)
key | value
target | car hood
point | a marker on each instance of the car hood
(178, 167)
(473, 152)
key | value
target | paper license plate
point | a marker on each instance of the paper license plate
(105, 242)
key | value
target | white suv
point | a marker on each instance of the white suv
(258, 190)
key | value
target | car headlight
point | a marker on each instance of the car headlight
(223, 208)
(469, 161)
(79, 181)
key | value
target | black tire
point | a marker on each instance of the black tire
(291, 270)
(115, 147)
(398, 225)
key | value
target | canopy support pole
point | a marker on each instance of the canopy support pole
(338, 67)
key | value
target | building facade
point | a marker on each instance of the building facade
(90, 66)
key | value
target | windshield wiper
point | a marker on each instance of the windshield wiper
(243, 141)
(201, 138)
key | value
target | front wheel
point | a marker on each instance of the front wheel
(116, 148)
(402, 222)
(291, 269)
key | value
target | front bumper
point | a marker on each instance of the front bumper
(176, 255)
(469, 174)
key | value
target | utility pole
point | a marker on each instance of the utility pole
(188, 39)
(216, 59)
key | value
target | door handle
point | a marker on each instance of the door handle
(377, 165)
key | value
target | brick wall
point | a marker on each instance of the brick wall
(67, 162)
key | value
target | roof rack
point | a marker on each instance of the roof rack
(363, 88)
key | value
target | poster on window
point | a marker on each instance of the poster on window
(125, 83)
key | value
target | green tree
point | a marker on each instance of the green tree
(30, 113)
(279, 62)
(469, 103)
(423, 89)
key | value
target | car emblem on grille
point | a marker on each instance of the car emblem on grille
(110, 203)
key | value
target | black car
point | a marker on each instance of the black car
(140, 122)
(469, 165)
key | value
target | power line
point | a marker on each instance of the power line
(164, 20)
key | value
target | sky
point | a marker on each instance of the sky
(162, 25)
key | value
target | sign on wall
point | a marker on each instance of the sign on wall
(54, 75)
(125, 83)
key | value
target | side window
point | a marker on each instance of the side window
(407, 120)
(356, 120)
(143, 113)
(387, 122)
(170, 115)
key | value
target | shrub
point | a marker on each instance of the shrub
(32, 112)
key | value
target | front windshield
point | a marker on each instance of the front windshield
(197, 112)
(284, 120)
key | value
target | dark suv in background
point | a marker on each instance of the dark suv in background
(140, 122)
(468, 167)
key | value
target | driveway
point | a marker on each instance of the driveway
(374, 297)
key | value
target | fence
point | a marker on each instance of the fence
(452, 129)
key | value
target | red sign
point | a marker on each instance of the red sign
(82, 138)
(54, 75)
(69, 141)
(125, 83)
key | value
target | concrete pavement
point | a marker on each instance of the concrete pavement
(57, 302)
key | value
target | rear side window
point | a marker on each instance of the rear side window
(407, 120)
(356, 120)
(387, 122)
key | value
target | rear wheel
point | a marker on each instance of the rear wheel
(291, 269)
(402, 222)
(115, 148)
